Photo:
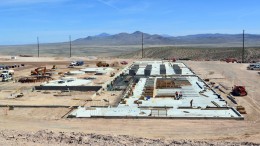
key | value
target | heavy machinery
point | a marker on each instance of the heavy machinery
(54, 67)
(39, 71)
(239, 91)
(40, 74)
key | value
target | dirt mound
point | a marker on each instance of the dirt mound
(45, 137)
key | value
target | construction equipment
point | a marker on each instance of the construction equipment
(239, 91)
(40, 71)
(102, 64)
(40, 74)
(6, 77)
(54, 67)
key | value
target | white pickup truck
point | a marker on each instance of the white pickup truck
(254, 66)
(9, 72)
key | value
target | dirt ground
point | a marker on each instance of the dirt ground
(46, 127)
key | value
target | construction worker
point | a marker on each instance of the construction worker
(191, 103)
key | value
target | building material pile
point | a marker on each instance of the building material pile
(35, 79)
(163, 83)
(149, 88)
(241, 109)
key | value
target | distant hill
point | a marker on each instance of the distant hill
(196, 53)
(103, 35)
(106, 45)
(155, 39)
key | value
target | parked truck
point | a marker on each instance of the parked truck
(254, 66)
(6, 77)
(9, 72)
(77, 63)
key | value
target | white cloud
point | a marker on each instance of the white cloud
(135, 7)
(109, 3)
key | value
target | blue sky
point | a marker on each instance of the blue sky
(54, 20)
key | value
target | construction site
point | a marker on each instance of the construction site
(161, 89)
(105, 94)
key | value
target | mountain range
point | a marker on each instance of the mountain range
(155, 39)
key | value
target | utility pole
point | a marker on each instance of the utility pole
(142, 45)
(70, 45)
(243, 50)
(38, 46)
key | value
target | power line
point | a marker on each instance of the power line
(70, 45)
(142, 45)
(38, 46)
(243, 50)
